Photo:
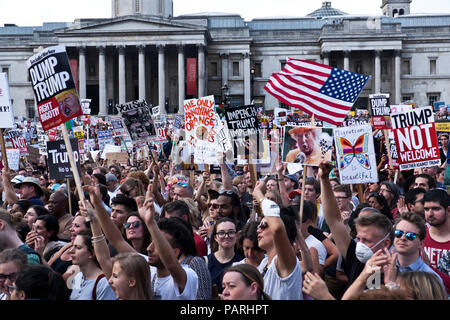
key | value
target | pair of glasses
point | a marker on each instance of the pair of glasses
(135, 224)
(182, 184)
(223, 234)
(263, 225)
(11, 277)
(409, 235)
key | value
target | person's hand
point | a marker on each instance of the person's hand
(221, 157)
(325, 168)
(31, 236)
(315, 287)
(401, 205)
(345, 216)
(390, 268)
(94, 193)
(87, 210)
(39, 245)
(279, 166)
(374, 264)
(147, 210)
(6, 174)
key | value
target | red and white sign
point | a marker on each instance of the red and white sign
(161, 131)
(18, 141)
(416, 139)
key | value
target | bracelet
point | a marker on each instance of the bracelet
(98, 237)
(98, 240)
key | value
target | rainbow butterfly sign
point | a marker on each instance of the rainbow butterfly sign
(355, 154)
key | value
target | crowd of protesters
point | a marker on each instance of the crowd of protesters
(149, 230)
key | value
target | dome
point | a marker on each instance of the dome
(326, 11)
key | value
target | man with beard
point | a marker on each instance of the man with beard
(436, 205)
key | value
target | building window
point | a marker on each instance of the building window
(138, 6)
(256, 70)
(283, 64)
(31, 110)
(406, 66)
(236, 72)
(432, 66)
(213, 69)
(407, 97)
(433, 97)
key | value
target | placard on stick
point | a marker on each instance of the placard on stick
(58, 159)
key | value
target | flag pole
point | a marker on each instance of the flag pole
(305, 172)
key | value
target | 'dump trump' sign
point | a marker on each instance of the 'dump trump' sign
(415, 138)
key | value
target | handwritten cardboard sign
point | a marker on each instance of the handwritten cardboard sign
(199, 119)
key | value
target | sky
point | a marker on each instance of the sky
(35, 12)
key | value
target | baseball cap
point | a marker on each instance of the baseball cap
(110, 177)
(293, 178)
(33, 181)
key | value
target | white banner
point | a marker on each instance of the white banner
(6, 112)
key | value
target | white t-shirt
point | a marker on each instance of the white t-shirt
(289, 288)
(166, 289)
(313, 242)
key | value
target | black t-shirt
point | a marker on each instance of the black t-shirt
(216, 268)
(317, 233)
(351, 265)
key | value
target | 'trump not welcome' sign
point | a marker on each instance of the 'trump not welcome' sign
(58, 159)
(416, 139)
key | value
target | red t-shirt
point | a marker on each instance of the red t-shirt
(202, 250)
(434, 251)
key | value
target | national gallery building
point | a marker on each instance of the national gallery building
(144, 52)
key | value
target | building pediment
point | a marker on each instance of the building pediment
(131, 24)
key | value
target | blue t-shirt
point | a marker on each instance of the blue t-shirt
(82, 289)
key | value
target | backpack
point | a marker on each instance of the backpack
(94, 290)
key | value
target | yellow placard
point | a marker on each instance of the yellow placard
(442, 126)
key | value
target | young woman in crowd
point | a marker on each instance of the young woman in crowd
(223, 248)
(378, 201)
(43, 236)
(137, 233)
(248, 244)
(243, 282)
(130, 277)
(33, 212)
(90, 283)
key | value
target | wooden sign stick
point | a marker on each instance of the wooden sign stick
(388, 147)
(69, 195)
(73, 165)
(4, 156)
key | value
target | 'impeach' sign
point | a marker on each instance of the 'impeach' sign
(415, 138)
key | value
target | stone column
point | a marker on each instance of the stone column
(247, 79)
(398, 82)
(103, 111)
(161, 79)
(181, 79)
(142, 91)
(326, 57)
(122, 78)
(347, 60)
(377, 71)
(82, 72)
(201, 70)
(224, 57)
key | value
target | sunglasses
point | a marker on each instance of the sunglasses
(11, 277)
(135, 224)
(263, 225)
(182, 184)
(409, 235)
(228, 192)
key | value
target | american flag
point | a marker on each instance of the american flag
(326, 92)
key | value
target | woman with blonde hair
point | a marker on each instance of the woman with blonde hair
(422, 285)
(243, 282)
(130, 277)
(132, 188)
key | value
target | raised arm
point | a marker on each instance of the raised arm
(303, 252)
(226, 178)
(287, 260)
(280, 167)
(10, 195)
(155, 185)
(111, 231)
(331, 211)
(163, 247)
(98, 239)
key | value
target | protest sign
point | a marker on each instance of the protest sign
(355, 154)
(13, 156)
(6, 111)
(54, 87)
(58, 159)
(104, 138)
(205, 153)
(393, 146)
(380, 110)
(243, 127)
(156, 111)
(401, 108)
(110, 148)
(85, 106)
(117, 157)
(161, 131)
(137, 118)
(33, 154)
(442, 126)
(416, 139)
(280, 119)
(307, 145)
(199, 119)
(18, 141)
(118, 127)
(78, 133)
